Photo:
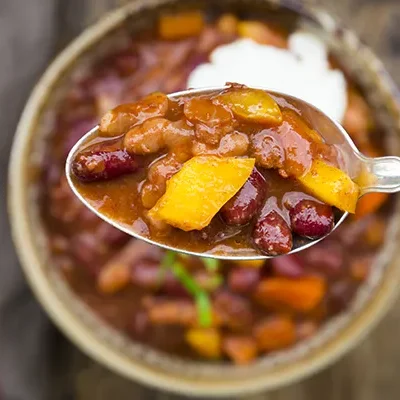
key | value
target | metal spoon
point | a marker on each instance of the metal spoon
(381, 174)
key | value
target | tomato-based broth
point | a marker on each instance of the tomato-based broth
(191, 307)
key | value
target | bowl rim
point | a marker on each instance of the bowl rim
(68, 322)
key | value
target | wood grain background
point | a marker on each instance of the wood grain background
(370, 372)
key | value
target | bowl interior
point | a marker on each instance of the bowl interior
(112, 347)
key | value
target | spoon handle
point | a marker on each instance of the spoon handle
(383, 175)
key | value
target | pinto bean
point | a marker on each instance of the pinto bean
(116, 274)
(246, 203)
(122, 118)
(103, 162)
(212, 121)
(173, 312)
(158, 174)
(311, 219)
(178, 135)
(233, 144)
(272, 235)
(146, 138)
(241, 349)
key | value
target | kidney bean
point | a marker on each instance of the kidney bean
(311, 219)
(246, 203)
(102, 162)
(340, 295)
(140, 325)
(272, 234)
(290, 266)
(146, 274)
(112, 236)
(87, 251)
(327, 257)
(126, 62)
(232, 310)
(170, 286)
(243, 280)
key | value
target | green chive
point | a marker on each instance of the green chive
(204, 309)
(167, 262)
(187, 281)
(211, 264)
(203, 303)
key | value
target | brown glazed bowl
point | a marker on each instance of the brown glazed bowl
(141, 363)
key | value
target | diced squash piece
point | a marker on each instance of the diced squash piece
(301, 294)
(332, 186)
(184, 24)
(370, 203)
(198, 191)
(300, 126)
(228, 24)
(261, 33)
(206, 342)
(250, 263)
(275, 333)
(252, 105)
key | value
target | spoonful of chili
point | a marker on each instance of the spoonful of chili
(229, 173)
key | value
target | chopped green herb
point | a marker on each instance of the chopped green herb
(215, 281)
(167, 262)
(187, 281)
(211, 264)
(204, 309)
(202, 300)
(169, 258)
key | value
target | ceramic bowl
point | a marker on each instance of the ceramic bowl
(136, 361)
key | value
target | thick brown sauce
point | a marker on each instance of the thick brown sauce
(120, 198)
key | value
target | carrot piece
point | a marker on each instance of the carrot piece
(275, 333)
(300, 295)
(241, 349)
(370, 203)
(184, 24)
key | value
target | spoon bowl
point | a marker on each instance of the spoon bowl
(380, 174)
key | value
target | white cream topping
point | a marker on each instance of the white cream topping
(302, 71)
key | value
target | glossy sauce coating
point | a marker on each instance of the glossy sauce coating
(236, 122)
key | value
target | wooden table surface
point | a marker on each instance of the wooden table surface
(370, 372)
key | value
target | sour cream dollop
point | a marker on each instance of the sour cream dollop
(302, 71)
